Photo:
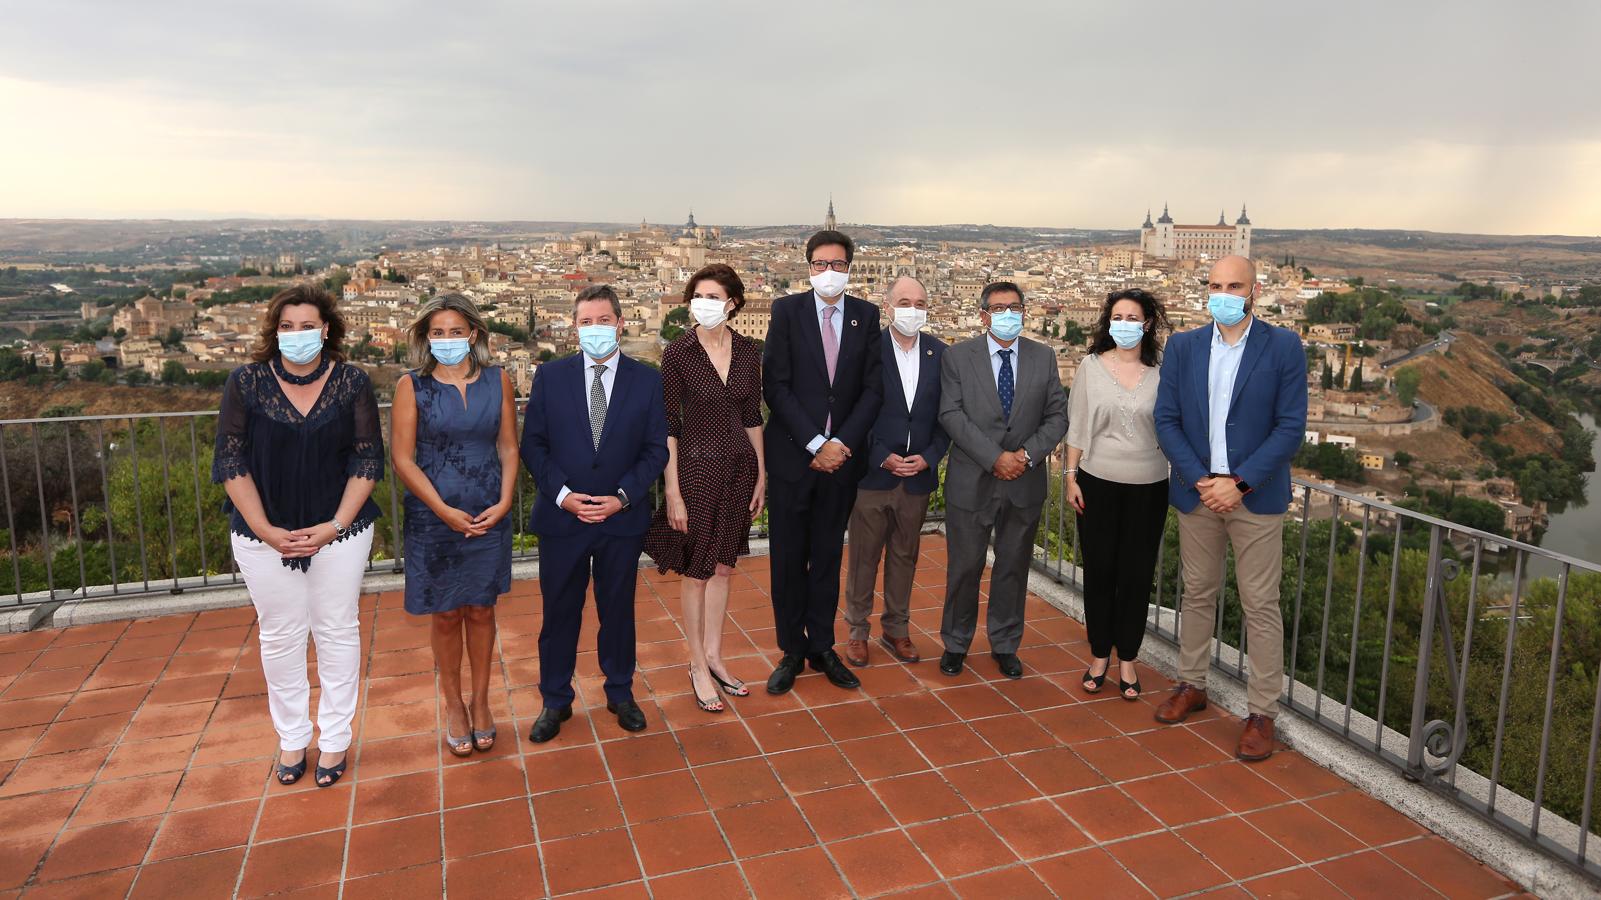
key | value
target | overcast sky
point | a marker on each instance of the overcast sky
(1448, 116)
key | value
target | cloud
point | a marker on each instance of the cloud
(1463, 116)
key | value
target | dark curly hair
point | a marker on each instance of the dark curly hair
(1155, 316)
(726, 278)
(267, 338)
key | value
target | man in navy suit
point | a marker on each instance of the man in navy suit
(595, 439)
(821, 380)
(1230, 415)
(903, 454)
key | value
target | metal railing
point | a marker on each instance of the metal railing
(1450, 660)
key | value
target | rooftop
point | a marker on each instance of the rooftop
(135, 758)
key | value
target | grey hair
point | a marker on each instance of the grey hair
(422, 358)
(890, 288)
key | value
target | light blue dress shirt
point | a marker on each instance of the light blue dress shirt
(1221, 368)
(816, 443)
(995, 357)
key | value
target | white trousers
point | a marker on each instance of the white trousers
(321, 602)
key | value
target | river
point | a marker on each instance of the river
(1576, 530)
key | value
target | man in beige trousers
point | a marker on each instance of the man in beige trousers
(1230, 415)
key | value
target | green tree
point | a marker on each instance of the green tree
(173, 372)
(1406, 385)
(1402, 459)
(1328, 375)
(1356, 377)
(674, 323)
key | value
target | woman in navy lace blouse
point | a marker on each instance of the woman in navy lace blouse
(455, 449)
(299, 450)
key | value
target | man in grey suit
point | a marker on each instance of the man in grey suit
(1005, 412)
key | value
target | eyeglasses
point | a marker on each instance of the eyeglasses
(999, 308)
(823, 265)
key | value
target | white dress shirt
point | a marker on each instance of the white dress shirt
(607, 379)
(908, 364)
(1221, 368)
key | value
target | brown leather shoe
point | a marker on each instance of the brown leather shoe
(901, 648)
(1256, 741)
(1185, 699)
(856, 652)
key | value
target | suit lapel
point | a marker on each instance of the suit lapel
(1018, 388)
(811, 334)
(619, 391)
(927, 370)
(986, 377)
(1200, 374)
(1254, 348)
(892, 370)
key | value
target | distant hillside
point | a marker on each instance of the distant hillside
(1470, 376)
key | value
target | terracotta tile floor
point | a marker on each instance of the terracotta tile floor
(135, 757)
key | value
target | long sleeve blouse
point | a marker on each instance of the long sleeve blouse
(299, 463)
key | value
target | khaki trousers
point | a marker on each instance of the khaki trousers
(887, 524)
(1258, 540)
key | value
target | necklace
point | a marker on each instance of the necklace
(279, 370)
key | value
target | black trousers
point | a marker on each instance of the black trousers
(1119, 532)
(806, 521)
(565, 568)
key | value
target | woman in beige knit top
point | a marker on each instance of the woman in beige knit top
(1117, 481)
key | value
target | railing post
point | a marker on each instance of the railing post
(1420, 687)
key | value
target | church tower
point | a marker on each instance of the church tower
(1242, 234)
(829, 223)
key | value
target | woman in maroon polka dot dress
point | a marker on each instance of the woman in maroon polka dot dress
(716, 481)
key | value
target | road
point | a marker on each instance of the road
(1442, 342)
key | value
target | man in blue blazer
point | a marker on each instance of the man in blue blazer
(903, 454)
(820, 378)
(595, 440)
(1230, 415)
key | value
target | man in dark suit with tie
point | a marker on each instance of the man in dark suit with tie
(1004, 408)
(593, 503)
(821, 379)
(903, 455)
(1230, 416)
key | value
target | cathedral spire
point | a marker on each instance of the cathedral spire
(829, 221)
(1166, 219)
(1243, 219)
(1147, 219)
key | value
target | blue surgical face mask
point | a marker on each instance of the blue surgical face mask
(1007, 325)
(300, 347)
(597, 341)
(449, 351)
(1227, 309)
(1127, 334)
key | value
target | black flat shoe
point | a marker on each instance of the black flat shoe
(629, 716)
(292, 774)
(783, 677)
(548, 725)
(1009, 664)
(951, 663)
(1125, 686)
(833, 668)
(332, 774)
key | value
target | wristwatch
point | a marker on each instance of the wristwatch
(622, 497)
(339, 528)
(1240, 483)
(1026, 458)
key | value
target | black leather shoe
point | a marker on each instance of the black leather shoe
(951, 663)
(833, 668)
(629, 715)
(548, 725)
(783, 677)
(1011, 666)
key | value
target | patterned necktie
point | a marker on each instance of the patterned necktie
(597, 405)
(830, 353)
(1004, 383)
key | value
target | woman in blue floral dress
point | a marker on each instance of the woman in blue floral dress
(455, 450)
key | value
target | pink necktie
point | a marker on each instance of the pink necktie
(830, 352)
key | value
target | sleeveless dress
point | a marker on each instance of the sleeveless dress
(456, 449)
(716, 462)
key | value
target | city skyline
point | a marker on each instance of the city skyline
(1443, 117)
